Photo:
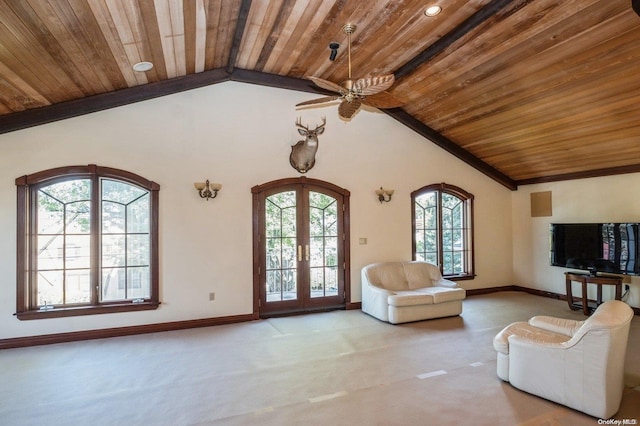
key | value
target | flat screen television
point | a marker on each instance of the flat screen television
(596, 247)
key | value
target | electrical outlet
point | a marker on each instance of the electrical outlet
(212, 296)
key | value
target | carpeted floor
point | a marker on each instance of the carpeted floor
(335, 368)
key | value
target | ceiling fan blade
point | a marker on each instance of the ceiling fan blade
(347, 109)
(373, 85)
(319, 100)
(383, 100)
(326, 84)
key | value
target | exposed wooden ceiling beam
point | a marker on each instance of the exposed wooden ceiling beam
(273, 80)
(241, 23)
(454, 35)
(478, 18)
(608, 171)
(278, 27)
(78, 107)
(446, 144)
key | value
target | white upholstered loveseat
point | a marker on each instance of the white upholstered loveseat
(579, 364)
(399, 292)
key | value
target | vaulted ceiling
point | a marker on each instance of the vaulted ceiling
(525, 91)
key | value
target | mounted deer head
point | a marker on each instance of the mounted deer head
(303, 153)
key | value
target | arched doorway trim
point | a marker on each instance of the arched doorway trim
(309, 281)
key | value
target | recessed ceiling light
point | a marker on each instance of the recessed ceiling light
(142, 66)
(433, 10)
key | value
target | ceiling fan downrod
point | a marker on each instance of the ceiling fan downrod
(348, 30)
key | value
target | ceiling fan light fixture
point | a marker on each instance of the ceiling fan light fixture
(432, 10)
(142, 66)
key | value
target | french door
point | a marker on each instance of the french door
(300, 246)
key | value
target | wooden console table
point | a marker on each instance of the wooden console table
(585, 279)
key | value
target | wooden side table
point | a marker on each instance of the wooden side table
(585, 279)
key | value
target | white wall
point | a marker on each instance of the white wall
(605, 199)
(240, 135)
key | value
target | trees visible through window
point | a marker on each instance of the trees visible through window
(443, 229)
(281, 242)
(87, 242)
(284, 251)
(301, 236)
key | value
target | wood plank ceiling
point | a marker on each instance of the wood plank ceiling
(524, 90)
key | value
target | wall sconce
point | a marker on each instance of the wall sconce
(384, 195)
(207, 190)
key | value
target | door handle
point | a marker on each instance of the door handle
(299, 253)
(306, 252)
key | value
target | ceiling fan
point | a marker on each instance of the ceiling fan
(369, 90)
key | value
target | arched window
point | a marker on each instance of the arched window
(87, 242)
(442, 222)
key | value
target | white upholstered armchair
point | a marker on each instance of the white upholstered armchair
(579, 364)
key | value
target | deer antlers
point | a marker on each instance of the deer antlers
(299, 124)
